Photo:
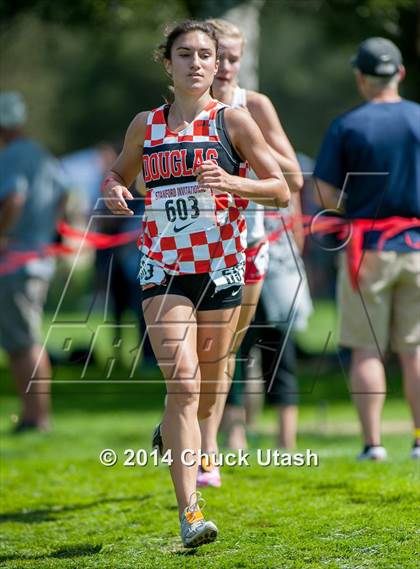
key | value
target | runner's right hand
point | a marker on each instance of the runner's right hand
(115, 199)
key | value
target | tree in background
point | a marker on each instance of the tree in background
(86, 66)
(246, 15)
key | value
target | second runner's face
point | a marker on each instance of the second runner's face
(230, 52)
(193, 63)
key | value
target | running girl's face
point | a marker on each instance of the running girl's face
(193, 62)
(230, 53)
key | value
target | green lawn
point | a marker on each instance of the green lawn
(62, 508)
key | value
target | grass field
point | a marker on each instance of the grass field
(61, 508)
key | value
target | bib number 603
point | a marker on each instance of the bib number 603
(178, 209)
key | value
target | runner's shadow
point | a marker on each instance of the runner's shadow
(50, 514)
(188, 553)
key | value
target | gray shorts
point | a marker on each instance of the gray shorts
(22, 299)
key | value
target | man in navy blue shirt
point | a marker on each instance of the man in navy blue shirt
(369, 169)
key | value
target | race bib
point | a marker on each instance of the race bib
(261, 259)
(150, 272)
(225, 278)
(186, 208)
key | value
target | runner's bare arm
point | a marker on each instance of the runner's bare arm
(271, 187)
(297, 229)
(140, 185)
(125, 168)
(265, 115)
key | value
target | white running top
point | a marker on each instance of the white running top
(254, 213)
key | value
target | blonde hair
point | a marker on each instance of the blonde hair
(225, 29)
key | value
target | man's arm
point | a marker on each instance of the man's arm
(330, 169)
(327, 196)
(10, 210)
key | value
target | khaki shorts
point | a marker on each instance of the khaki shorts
(22, 301)
(387, 308)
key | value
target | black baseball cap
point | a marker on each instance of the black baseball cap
(377, 56)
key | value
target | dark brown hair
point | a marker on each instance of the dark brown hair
(163, 51)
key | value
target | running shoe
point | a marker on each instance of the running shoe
(371, 452)
(157, 441)
(415, 451)
(195, 531)
(29, 426)
(208, 474)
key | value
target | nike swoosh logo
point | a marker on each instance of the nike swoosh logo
(178, 229)
(235, 293)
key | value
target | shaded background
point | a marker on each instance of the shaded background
(86, 67)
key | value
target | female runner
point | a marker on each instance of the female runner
(226, 89)
(192, 153)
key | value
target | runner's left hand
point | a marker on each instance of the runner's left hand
(211, 175)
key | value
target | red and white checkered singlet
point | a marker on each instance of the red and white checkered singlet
(186, 228)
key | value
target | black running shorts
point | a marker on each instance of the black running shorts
(199, 289)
